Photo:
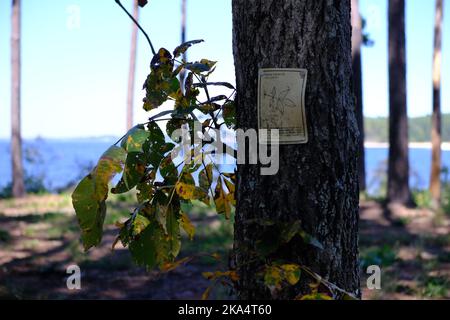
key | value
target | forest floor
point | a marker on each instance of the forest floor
(39, 239)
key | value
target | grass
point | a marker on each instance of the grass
(422, 199)
(435, 287)
(214, 234)
(31, 244)
(402, 221)
(384, 256)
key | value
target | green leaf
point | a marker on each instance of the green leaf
(150, 249)
(172, 125)
(134, 170)
(156, 135)
(138, 225)
(208, 107)
(168, 170)
(90, 195)
(209, 63)
(173, 231)
(198, 67)
(156, 147)
(218, 98)
(145, 189)
(205, 84)
(177, 70)
(229, 114)
(184, 46)
(90, 212)
(135, 139)
(158, 90)
(161, 83)
(162, 62)
(160, 114)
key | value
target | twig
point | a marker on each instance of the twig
(138, 25)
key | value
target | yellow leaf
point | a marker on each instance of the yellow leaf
(205, 294)
(119, 224)
(273, 276)
(115, 243)
(233, 275)
(315, 296)
(169, 266)
(218, 274)
(216, 256)
(222, 202)
(187, 225)
(291, 273)
(208, 275)
(184, 190)
(230, 186)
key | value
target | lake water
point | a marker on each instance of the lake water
(61, 162)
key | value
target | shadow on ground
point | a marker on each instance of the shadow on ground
(38, 243)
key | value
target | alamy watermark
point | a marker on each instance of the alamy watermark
(73, 282)
(374, 280)
(216, 144)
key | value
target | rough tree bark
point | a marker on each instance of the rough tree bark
(18, 187)
(317, 182)
(436, 126)
(398, 162)
(132, 70)
(357, 39)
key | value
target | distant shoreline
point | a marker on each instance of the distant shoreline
(108, 139)
(412, 145)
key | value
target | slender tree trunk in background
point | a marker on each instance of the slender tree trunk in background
(18, 188)
(435, 180)
(398, 163)
(132, 71)
(183, 35)
(357, 86)
(317, 182)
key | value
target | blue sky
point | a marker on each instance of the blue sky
(74, 77)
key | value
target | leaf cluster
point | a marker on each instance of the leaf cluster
(144, 157)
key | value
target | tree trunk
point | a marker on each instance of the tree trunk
(398, 163)
(435, 179)
(183, 36)
(357, 87)
(18, 188)
(132, 71)
(317, 182)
